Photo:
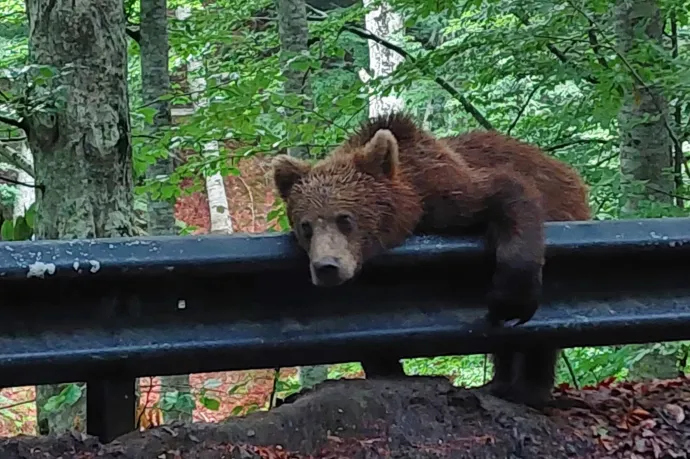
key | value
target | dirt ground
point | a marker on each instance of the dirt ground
(415, 417)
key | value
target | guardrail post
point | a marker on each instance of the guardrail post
(110, 409)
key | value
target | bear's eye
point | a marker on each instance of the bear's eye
(306, 230)
(345, 222)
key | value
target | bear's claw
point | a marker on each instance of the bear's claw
(515, 293)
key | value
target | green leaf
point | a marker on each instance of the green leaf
(237, 410)
(210, 403)
(22, 231)
(72, 394)
(185, 403)
(252, 408)
(54, 403)
(46, 71)
(300, 65)
(168, 400)
(30, 215)
(284, 223)
(148, 114)
(7, 230)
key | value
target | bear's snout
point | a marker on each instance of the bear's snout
(326, 272)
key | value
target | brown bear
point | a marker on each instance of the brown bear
(392, 179)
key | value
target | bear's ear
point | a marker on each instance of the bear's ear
(286, 172)
(380, 155)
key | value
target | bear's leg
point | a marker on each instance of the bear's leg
(535, 377)
(516, 232)
(506, 363)
(383, 368)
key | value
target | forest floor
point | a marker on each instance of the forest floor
(415, 417)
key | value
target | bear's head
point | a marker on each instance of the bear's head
(347, 207)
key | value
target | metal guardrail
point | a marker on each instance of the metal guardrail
(107, 311)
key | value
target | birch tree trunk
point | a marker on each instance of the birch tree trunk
(221, 222)
(21, 160)
(27, 194)
(155, 82)
(82, 151)
(385, 23)
(645, 144)
(293, 30)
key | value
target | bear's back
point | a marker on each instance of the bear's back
(564, 194)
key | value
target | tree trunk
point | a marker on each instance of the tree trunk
(82, 151)
(155, 82)
(645, 140)
(645, 144)
(293, 30)
(385, 23)
(27, 194)
(221, 222)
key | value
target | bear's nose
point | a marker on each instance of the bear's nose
(327, 270)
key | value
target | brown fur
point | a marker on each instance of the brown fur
(392, 179)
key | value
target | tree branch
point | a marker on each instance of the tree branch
(20, 183)
(523, 108)
(596, 47)
(557, 52)
(466, 104)
(13, 158)
(12, 122)
(606, 159)
(666, 193)
(572, 142)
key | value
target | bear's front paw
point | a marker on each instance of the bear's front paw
(515, 293)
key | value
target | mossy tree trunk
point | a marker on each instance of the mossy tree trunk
(293, 30)
(645, 141)
(82, 151)
(155, 82)
(645, 144)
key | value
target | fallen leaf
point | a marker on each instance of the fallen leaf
(676, 412)
(640, 412)
(648, 424)
(646, 433)
(641, 445)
